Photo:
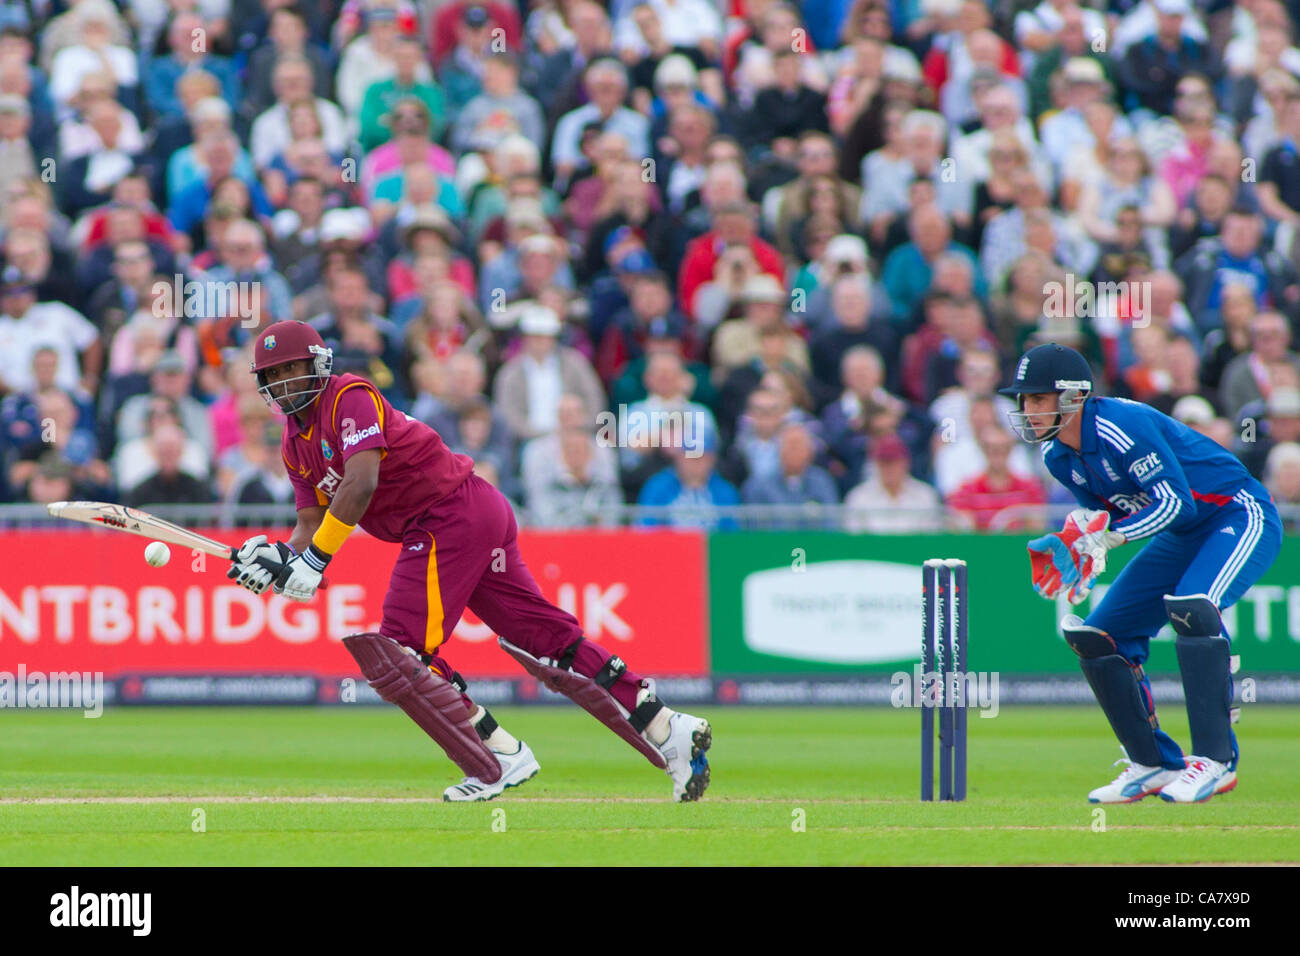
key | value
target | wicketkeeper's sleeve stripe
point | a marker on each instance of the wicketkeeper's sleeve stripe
(1157, 518)
(1114, 434)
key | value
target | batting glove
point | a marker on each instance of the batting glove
(257, 562)
(301, 576)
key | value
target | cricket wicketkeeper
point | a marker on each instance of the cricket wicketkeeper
(355, 460)
(1212, 531)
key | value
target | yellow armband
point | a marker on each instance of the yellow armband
(331, 534)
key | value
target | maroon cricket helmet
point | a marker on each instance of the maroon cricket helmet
(291, 341)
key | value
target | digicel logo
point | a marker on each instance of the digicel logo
(225, 614)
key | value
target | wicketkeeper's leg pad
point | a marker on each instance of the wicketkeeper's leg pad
(399, 676)
(1117, 685)
(1205, 663)
(591, 695)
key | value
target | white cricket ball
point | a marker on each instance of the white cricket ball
(157, 554)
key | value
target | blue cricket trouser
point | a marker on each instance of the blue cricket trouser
(1222, 557)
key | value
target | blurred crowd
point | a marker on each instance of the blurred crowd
(679, 253)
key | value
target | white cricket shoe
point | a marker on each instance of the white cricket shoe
(688, 739)
(1202, 779)
(516, 768)
(1134, 782)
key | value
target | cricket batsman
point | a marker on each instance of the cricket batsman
(355, 460)
(1213, 531)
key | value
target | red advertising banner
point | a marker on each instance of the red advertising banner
(86, 600)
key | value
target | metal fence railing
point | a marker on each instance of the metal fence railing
(810, 517)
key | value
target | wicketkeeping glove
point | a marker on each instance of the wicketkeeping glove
(301, 575)
(1073, 557)
(257, 563)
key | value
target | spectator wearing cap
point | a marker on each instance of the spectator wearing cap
(26, 325)
(1055, 33)
(502, 109)
(426, 231)
(378, 55)
(717, 265)
(1150, 69)
(1237, 255)
(736, 341)
(293, 81)
(169, 484)
(1066, 133)
(850, 308)
(17, 161)
(908, 270)
(797, 482)
(999, 499)
(185, 55)
(1278, 425)
(287, 36)
(605, 82)
(844, 255)
(461, 72)
(92, 50)
(364, 342)
(523, 271)
(443, 35)
(891, 501)
(1282, 479)
(528, 387)
(691, 491)
(1250, 377)
(649, 313)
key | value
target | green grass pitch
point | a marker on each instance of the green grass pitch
(343, 786)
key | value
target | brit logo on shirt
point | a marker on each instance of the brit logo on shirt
(326, 450)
